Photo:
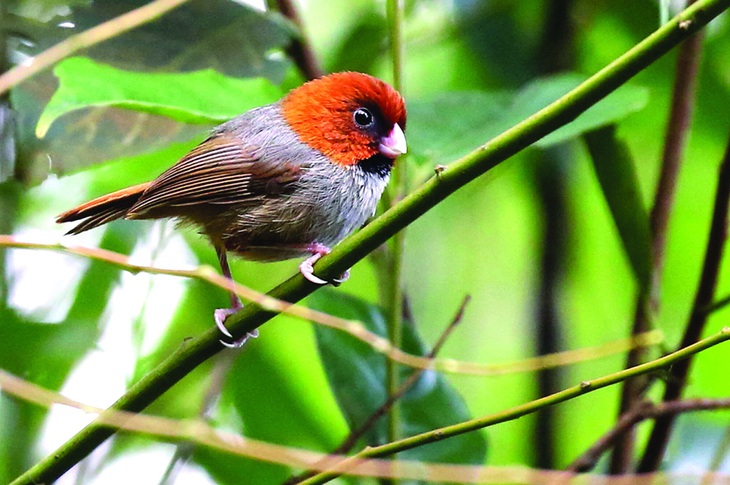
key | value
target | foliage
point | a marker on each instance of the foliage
(119, 113)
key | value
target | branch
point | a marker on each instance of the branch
(641, 412)
(196, 351)
(300, 49)
(659, 437)
(86, 39)
(202, 434)
(518, 411)
(393, 278)
(683, 101)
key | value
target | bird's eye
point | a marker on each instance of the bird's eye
(363, 118)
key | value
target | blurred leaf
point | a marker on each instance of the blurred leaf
(489, 28)
(362, 43)
(620, 184)
(227, 36)
(450, 125)
(7, 141)
(614, 107)
(357, 377)
(230, 37)
(183, 97)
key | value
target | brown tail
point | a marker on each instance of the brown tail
(103, 209)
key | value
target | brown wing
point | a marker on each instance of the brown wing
(219, 171)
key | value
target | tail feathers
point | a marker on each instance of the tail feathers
(103, 209)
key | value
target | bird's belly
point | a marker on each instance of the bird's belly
(288, 227)
(287, 234)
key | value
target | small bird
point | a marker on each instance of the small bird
(285, 180)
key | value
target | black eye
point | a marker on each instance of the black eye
(363, 118)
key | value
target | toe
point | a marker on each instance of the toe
(308, 271)
(220, 316)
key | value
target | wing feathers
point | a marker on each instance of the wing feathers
(220, 171)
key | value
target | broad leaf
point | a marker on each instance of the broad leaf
(231, 38)
(357, 377)
(450, 125)
(184, 97)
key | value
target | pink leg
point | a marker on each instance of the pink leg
(306, 267)
(221, 314)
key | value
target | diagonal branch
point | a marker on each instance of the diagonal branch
(643, 411)
(660, 434)
(354, 328)
(356, 247)
(194, 430)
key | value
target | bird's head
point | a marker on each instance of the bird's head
(349, 117)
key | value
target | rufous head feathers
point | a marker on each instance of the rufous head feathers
(348, 116)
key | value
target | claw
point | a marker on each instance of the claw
(308, 271)
(307, 266)
(341, 279)
(220, 316)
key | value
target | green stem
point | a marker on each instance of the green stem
(518, 411)
(395, 297)
(357, 246)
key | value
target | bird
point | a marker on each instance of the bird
(281, 181)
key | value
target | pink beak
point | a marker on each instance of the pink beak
(394, 144)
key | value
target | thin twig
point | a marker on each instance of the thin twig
(683, 101)
(226, 442)
(660, 434)
(643, 411)
(354, 328)
(360, 244)
(204, 435)
(348, 465)
(86, 39)
(383, 409)
(355, 435)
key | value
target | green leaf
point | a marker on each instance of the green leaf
(197, 97)
(616, 106)
(620, 184)
(234, 39)
(357, 377)
(449, 125)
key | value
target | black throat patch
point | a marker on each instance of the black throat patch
(378, 164)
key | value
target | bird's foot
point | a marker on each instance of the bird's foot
(341, 279)
(220, 316)
(307, 269)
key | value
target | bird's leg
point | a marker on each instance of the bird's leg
(221, 314)
(306, 267)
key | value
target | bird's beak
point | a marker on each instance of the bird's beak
(394, 144)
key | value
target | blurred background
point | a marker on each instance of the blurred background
(534, 242)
